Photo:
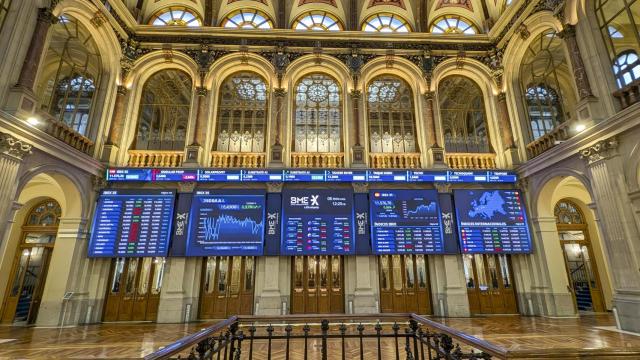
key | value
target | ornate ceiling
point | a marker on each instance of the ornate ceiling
(420, 14)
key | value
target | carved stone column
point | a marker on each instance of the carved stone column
(357, 149)
(584, 108)
(620, 231)
(276, 149)
(200, 129)
(22, 99)
(506, 131)
(12, 152)
(115, 131)
(436, 152)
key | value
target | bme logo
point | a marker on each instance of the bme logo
(305, 200)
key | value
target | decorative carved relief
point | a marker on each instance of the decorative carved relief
(274, 187)
(186, 187)
(360, 187)
(398, 3)
(14, 147)
(599, 151)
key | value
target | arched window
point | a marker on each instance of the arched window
(568, 213)
(4, 10)
(164, 111)
(463, 116)
(544, 109)
(70, 74)
(317, 20)
(626, 68)
(318, 115)
(544, 78)
(176, 16)
(46, 213)
(389, 23)
(619, 22)
(247, 19)
(453, 24)
(391, 115)
(242, 114)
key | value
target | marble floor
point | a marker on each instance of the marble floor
(520, 335)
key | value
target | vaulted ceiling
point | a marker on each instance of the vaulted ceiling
(419, 14)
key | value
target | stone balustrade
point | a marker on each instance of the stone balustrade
(155, 158)
(471, 161)
(317, 160)
(221, 159)
(395, 160)
(549, 140)
(62, 132)
(629, 94)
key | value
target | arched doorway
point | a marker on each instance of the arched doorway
(578, 257)
(31, 263)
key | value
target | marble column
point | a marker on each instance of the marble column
(436, 152)
(585, 108)
(12, 152)
(357, 149)
(200, 129)
(506, 131)
(276, 149)
(620, 231)
(115, 130)
(21, 99)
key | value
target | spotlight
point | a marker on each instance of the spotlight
(33, 121)
(580, 127)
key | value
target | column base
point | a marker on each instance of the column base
(173, 308)
(436, 155)
(270, 303)
(192, 157)
(358, 160)
(364, 302)
(451, 304)
(110, 154)
(276, 156)
(21, 102)
(546, 304)
(512, 157)
(627, 305)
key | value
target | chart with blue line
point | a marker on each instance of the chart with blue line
(226, 224)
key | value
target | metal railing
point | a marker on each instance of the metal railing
(384, 336)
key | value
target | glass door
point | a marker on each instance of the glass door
(227, 286)
(489, 284)
(404, 284)
(317, 285)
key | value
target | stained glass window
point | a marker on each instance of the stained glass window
(452, 24)
(69, 81)
(318, 115)
(242, 114)
(247, 19)
(619, 22)
(542, 71)
(388, 23)
(176, 16)
(391, 115)
(317, 20)
(164, 111)
(463, 116)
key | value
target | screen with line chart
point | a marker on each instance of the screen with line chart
(226, 224)
(406, 222)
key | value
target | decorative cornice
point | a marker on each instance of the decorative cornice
(14, 147)
(599, 151)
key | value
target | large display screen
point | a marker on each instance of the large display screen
(492, 221)
(226, 223)
(316, 222)
(132, 223)
(406, 222)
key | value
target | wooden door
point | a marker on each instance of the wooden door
(404, 284)
(489, 284)
(227, 286)
(317, 285)
(134, 289)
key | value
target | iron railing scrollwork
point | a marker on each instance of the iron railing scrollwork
(396, 336)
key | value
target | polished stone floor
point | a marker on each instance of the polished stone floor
(131, 341)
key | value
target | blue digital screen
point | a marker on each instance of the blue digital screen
(174, 175)
(132, 223)
(492, 221)
(406, 222)
(316, 222)
(226, 224)
(129, 175)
